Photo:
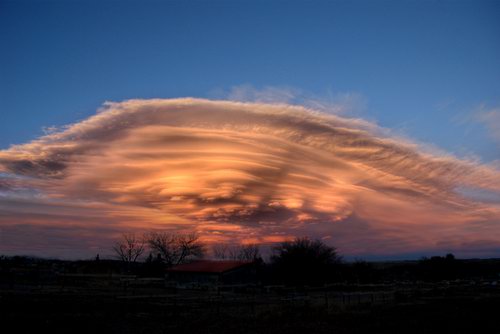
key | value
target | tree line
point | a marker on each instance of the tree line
(177, 248)
(170, 248)
(298, 261)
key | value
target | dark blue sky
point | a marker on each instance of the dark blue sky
(423, 68)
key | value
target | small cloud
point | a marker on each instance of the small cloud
(337, 103)
(48, 130)
(268, 94)
(444, 104)
(490, 119)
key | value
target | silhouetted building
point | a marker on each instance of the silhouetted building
(211, 273)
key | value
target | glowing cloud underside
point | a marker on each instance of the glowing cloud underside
(241, 172)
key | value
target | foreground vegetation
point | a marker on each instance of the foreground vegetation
(304, 287)
(297, 262)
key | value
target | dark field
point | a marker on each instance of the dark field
(114, 304)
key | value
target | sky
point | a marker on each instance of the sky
(404, 164)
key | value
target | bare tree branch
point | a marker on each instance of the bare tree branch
(129, 248)
(220, 251)
(248, 252)
(175, 248)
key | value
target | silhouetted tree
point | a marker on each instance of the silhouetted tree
(304, 261)
(129, 248)
(439, 267)
(175, 248)
(247, 252)
(153, 266)
(221, 251)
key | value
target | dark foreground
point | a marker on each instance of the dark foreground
(109, 306)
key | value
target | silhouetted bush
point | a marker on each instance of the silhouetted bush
(304, 262)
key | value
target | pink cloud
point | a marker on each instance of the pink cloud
(244, 171)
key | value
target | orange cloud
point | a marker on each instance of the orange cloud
(245, 171)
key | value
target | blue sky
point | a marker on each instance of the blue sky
(423, 68)
(427, 70)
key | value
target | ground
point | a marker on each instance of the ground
(109, 306)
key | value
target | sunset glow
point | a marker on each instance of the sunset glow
(242, 172)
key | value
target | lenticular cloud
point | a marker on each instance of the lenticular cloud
(241, 172)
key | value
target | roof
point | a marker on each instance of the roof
(208, 266)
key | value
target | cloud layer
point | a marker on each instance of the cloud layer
(242, 172)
